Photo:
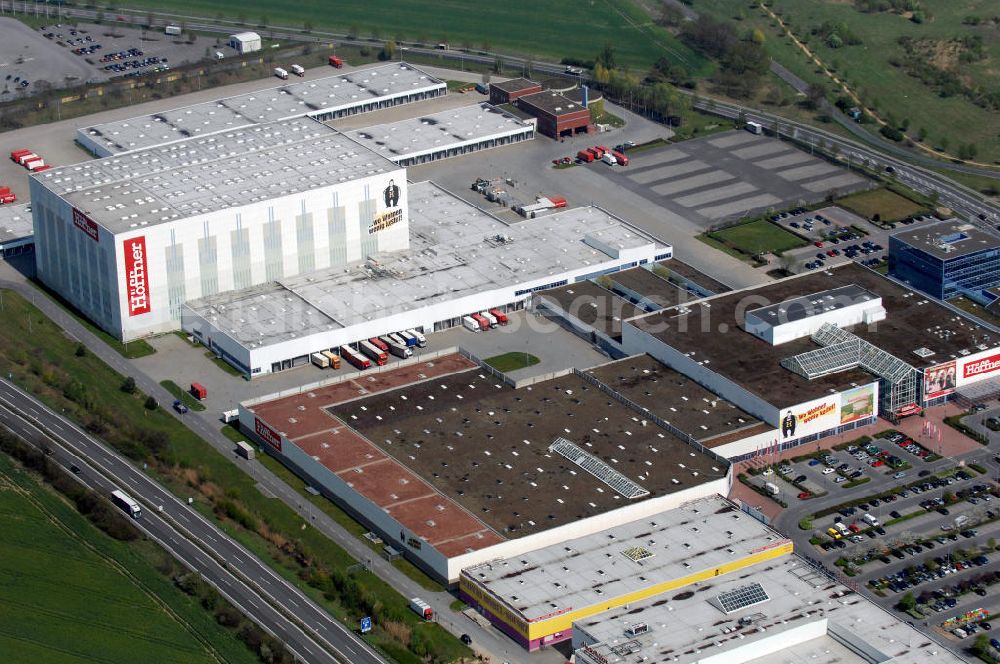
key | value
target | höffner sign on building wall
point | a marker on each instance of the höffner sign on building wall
(137, 276)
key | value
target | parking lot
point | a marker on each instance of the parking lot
(25, 55)
(731, 175)
(113, 50)
(835, 235)
(931, 532)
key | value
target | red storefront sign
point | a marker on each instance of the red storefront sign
(85, 224)
(267, 434)
(980, 367)
(136, 276)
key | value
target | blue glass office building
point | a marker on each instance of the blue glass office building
(947, 259)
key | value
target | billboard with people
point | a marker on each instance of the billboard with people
(828, 412)
(939, 380)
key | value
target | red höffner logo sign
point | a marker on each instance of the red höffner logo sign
(136, 276)
(980, 367)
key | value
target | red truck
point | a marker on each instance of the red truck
(378, 343)
(500, 316)
(356, 359)
(7, 196)
(622, 159)
(335, 61)
(379, 356)
(484, 324)
(16, 155)
(198, 391)
(584, 155)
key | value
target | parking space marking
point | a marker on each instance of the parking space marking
(762, 149)
(781, 161)
(716, 194)
(656, 158)
(843, 180)
(694, 182)
(738, 138)
(720, 211)
(667, 172)
(805, 172)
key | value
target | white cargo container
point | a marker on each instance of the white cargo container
(609, 159)
(422, 608)
(172, 30)
(245, 450)
(755, 128)
(230, 415)
(771, 488)
(490, 318)
(298, 70)
(280, 73)
(469, 323)
(320, 360)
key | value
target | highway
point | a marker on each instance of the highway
(307, 630)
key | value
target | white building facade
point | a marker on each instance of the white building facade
(133, 282)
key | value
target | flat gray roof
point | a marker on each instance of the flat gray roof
(427, 134)
(209, 173)
(689, 627)
(15, 223)
(551, 102)
(455, 250)
(294, 99)
(516, 84)
(586, 571)
(948, 239)
(806, 306)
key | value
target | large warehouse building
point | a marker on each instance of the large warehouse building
(450, 133)
(536, 597)
(350, 93)
(820, 353)
(129, 239)
(774, 612)
(460, 260)
(453, 467)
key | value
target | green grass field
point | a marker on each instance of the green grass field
(868, 67)
(69, 593)
(889, 205)
(183, 395)
(43, 362)
(552, 30)
(512, 361)
(758, 237)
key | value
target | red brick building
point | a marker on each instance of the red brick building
(507, 91)
(557, 115)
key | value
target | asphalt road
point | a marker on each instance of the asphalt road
(488, 641)
(307, 630)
